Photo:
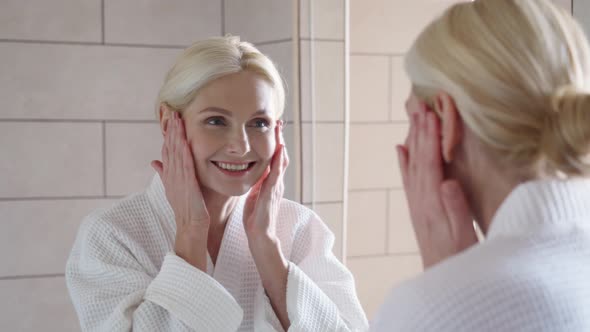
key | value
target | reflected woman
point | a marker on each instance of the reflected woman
(212, 245)
(500, 133)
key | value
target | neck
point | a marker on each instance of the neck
(219, 207)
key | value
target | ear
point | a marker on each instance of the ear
(451, 125)
(165, 116)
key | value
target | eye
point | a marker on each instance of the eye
(215, 121)
(260, 123)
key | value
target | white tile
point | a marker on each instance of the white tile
(331, 214)
(367, 223)
(582, 14)
(130, 148)
(567, 4)
(373, 160)
(322, 81)
(282, 55)
(57, 20)
(400, 89)
(375, 277)
(369, 88)
(324, 19)
(161, 22)
(401, 234)
(390, 26)
(43, 231)
(323, 162)
(259, 20)
(81, 82)
(36, 305)
(50, 159)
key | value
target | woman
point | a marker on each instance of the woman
(211, 245)
(500, 133)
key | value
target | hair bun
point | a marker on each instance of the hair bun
(565, 140)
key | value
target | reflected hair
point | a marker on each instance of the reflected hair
(213, 58)
(519, 73)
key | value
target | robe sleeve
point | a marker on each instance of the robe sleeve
(321, 294)
(112, 292)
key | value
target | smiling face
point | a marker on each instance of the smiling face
(230, 126)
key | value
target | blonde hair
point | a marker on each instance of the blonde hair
(210, 59)
(519, 72)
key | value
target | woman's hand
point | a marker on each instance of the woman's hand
(260, 218)
(262, 204)
(441, 217)
(183, 192)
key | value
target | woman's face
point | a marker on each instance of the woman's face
(230, 127)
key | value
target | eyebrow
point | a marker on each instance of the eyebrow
(228, 113)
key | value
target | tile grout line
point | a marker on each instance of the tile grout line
(387, 219)
(32, 276)
(397, 254)
(102, 27)
(58, 198)
(105, 44)
(104, 160)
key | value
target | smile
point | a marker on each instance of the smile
(234, 168)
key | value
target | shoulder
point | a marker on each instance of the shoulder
(300, 218)
(467, 290)
(116, 224)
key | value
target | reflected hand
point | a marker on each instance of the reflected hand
(183, 192)
(440, 214)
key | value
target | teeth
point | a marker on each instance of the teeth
(232, 167)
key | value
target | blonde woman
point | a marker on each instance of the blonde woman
(211, 245)
(500, 133)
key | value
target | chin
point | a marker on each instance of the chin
(234, 190)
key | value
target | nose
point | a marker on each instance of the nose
(239, 144)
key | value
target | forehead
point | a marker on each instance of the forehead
(244, 93)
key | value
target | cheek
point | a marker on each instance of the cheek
(263, 144)
(202, 144)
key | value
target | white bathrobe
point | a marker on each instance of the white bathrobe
(122, 274)
(531, 274)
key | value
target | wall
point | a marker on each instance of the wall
(78, 130)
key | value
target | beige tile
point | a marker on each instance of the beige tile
(161, 22)
(324, 19)
(282, 55)
(376, 276)
(323, 162)
(373, 160)
(81, 82)
(50, 159)
(567, 4)
(401, 234)
(369, 88)
(130, 147)
(57, 20)
(259, 20)
(400, 89)
(322, 81)
(43, 231)
(36, 305)
(390, 26)
(367, 218)
(290, 136)
(582, 14)
(331, 214)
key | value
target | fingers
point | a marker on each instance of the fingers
(158, 167)
(402, 158)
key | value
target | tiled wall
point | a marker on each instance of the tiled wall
(381, 245)
(322, 81)
(78, 127)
